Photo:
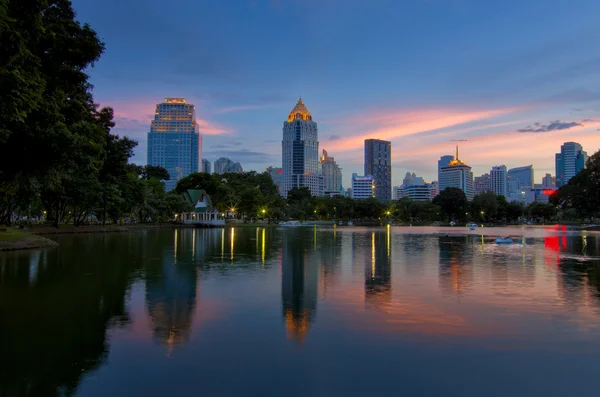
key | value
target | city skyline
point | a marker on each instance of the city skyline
(504, 90)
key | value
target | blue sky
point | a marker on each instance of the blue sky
(421, 73)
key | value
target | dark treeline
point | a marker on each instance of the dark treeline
(57, 153)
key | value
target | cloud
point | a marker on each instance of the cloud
(334, 137)
(554, 125)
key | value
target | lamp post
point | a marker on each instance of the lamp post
(263, 214)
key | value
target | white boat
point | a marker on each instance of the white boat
(472, 226)
(350, 223)
(340, 223)
(290, 223)
(504, 240)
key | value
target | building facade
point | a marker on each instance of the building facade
(174, 140)
(276, 174)
(569, 162)
(459, 175)
(224, 164)
(421, 192)
(362, 186)
(498, 180)
(548, 182)
(378, 163)
(481, 184)
(206, 166)
(518, 181)
(300, 152)
(332, 174)
(443, 162)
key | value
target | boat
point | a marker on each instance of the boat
(452, 223)
(350, 223)
(340, 223)
(472, 226)
(290, 223)
(504, 240)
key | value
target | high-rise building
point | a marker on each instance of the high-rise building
(300, 152)
(332, 175)
(498, 180)
(206, 166)
(362, 186)
(548, 182)
(569, 162)
(378, 163)
(443, 162)
(457, 174)
(224, 164)
(174, 140)
(481, 184)
(435, 188)
(519, 180)
(276, 175)
(396, 192)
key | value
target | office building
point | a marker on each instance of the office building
(396, 192)
(518, 181)
(498, 180)
(481, 184)
(569, 162)
(224, 164)
(378, 163)
(276, 175)
(174, 140)
(457, 174)
(206, 166)
(443, 162)
(300, 152)
(332, 175)
(412, 179)
(362, 186)
(421, 192)
(548, 182)
(435, 188)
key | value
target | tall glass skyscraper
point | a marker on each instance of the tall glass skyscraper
(569, 162)
(174, 140)
(378, 164)
(300, 152)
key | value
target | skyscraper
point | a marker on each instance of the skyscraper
(569, 162)
(457, 174)
(300, 152)
(443, 162)
(378, 163)
(332, 174)
(174, 140)
(481, 184)
(206, 166)
(498, 180)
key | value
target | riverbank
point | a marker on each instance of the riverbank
(70, 229)
(15, 239)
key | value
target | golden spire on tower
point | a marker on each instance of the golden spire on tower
(299, 112)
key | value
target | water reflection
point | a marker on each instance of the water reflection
(62, 311)
(299, 283)
(378, 271)
(171, 285)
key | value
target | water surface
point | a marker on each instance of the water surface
(301, 312)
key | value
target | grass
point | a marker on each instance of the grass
(15, 239)
(12, 234)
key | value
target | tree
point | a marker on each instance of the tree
(50, 140)
(582, 192)
(453, 203)
(484, 207)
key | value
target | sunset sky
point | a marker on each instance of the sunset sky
(514, 78)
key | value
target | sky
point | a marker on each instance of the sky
(508, 81)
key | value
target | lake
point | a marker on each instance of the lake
(306, 311)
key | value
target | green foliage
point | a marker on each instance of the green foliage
(581, 194)
(453, 203)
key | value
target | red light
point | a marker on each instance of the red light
(548, 192)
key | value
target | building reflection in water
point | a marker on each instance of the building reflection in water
(455, 268)
(299, 283)
(171, 286)
(378, 270)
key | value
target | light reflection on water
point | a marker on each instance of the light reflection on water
(237, 310)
